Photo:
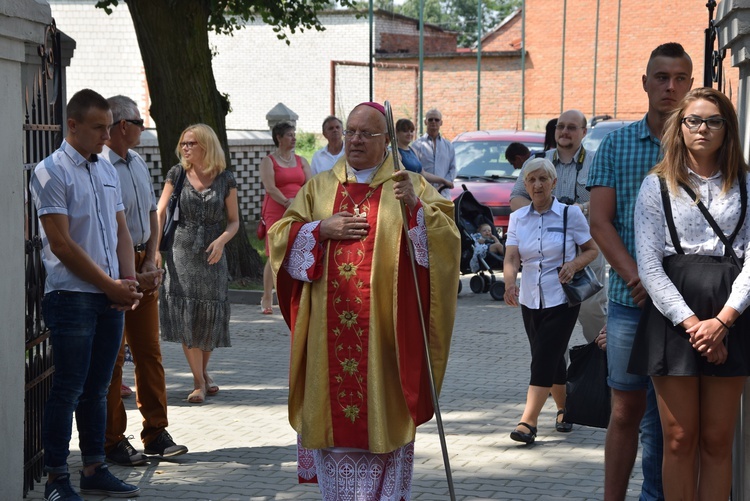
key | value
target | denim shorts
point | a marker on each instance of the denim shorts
(622, 322)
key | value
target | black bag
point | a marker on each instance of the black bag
(584, 283)
(588, 395)
(173, 214)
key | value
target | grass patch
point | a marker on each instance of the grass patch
(245, 284)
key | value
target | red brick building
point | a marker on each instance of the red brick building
(569, 64)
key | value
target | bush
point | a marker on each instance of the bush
(305, 141)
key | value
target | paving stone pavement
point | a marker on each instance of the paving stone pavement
(242, 447)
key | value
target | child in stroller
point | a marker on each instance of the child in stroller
(487, 246)
(481, 247)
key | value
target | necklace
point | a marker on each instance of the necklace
(286, 160)
(357, 212)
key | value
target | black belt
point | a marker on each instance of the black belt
(139, 247)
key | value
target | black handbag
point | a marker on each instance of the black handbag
(588, 395)
(584, 283)
(173, 214)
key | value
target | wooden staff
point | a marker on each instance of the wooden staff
(410, 247)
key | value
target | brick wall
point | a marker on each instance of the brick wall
(258, 71)
(507, 36)
(643, 26)
(450, 84)
(246, 151)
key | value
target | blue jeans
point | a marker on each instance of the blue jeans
(622, 322)
(85, 334)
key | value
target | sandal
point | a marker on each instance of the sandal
(267, 311)
(211, 387)
(526, 438)
(197, 396)
(562, 426)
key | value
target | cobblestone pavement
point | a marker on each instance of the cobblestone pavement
(242, 447)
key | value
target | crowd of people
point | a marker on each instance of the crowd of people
(363, 254)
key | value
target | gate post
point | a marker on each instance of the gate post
(733, 22)
(22, 23)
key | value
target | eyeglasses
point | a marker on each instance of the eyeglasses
(569, 127)
(138, 122)
(363, 135)
(694, 123)
(433, 119)
(188, 145)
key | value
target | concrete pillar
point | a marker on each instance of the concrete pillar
(733, 22)
(22, 23)
(280, 113)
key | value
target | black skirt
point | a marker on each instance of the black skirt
(662, 349)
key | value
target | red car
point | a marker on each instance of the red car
(482, 169)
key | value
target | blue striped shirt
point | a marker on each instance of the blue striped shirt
(88, 192)
(622, 161)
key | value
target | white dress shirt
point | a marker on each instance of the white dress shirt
(653, 242)
(539, 238)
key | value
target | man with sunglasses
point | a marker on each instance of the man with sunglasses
(436, 153)
(141, 325)
(572, 163)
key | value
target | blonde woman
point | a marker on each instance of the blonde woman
(194, 306)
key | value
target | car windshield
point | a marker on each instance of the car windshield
(484, 159)
(597, 133)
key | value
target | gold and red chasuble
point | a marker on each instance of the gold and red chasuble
(349, 317)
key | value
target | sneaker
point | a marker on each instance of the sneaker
(125, 454)
(60, 490)
(125, 391)
(164, 446)
(103, 483)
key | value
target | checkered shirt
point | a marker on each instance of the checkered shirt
(623, 159)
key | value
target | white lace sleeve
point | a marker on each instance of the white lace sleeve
(418, 236)
(301, 258)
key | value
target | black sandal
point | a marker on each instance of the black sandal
(562, 426)
(526, 438)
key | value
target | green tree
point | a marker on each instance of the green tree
(173, 41)
(454, 15)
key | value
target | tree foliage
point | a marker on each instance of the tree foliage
(456, 15)
(173, 41)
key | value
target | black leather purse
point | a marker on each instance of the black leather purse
(584, 283)
(173, 214)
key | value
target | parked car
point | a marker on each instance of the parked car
(600, 129)
(481, 168)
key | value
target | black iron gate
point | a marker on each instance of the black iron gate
(42, 135)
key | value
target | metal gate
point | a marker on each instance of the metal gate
(42, 135)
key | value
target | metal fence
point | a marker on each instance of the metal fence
(42, 135)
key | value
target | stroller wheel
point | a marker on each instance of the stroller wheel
(488, 281)
(477, 284)
(497, 290)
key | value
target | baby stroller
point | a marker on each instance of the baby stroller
(470, 214)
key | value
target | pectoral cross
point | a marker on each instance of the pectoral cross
(357, 213)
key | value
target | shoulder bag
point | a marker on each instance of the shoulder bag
(173, 214)
(584, 283)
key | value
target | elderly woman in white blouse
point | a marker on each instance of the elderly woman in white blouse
(689, 339)
(535, 239)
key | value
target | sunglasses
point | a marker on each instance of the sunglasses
(138, 122)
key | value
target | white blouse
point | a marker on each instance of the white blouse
(653, 242)
(539, 238)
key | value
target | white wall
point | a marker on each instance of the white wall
(107, 58)
(255, 68)
(21, 27)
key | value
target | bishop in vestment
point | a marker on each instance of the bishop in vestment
(358, 381)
